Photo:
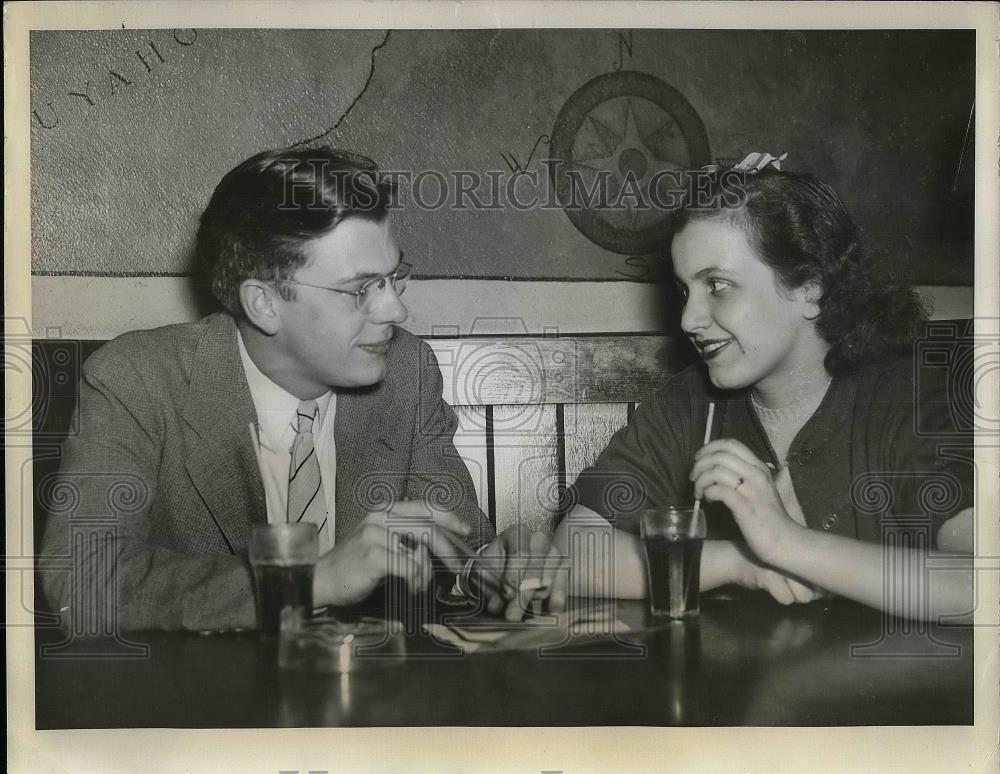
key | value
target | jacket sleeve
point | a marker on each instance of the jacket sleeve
(437, 472)
(98, 565)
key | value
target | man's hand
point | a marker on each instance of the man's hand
(398, 542)
(530, 568)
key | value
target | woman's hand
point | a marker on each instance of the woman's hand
(787, 590)
(727, 471)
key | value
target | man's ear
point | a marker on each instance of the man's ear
(811, 293)
(258, 300)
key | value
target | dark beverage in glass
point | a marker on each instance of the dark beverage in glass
(284, 596)
(672, 539)
(674, 567)
(283, 557)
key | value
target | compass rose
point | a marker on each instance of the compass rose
(617, 138)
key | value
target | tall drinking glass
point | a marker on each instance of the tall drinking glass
(283, 557)
(672, 539)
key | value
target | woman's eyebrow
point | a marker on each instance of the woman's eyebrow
(710, 270)
(702, 273)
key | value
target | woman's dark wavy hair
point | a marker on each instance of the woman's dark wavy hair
(803, 231)
(265, 209)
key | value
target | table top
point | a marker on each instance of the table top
(746, 661)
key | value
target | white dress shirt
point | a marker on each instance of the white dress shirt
(275, 432)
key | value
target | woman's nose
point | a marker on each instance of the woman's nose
(694, 317)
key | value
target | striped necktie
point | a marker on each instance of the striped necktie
(306, 500)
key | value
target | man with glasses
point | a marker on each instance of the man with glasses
(303, 400)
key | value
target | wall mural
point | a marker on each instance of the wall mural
(525, 154)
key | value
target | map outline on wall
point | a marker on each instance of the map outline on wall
(132, 129)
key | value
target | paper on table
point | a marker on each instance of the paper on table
(552, 629)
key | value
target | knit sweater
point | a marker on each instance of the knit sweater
(879, 454)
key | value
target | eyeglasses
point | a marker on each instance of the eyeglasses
(369, 294)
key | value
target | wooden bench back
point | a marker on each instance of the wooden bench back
(533, 412)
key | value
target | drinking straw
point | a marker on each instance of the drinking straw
(708, 437)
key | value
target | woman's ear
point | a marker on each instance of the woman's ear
(810, 293)
(260, 305)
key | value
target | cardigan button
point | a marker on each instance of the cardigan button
(830, 522)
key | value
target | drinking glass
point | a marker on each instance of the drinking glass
(283, 557)
(672, 539)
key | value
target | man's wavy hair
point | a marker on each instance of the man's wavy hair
(264, 210)
(803, 231)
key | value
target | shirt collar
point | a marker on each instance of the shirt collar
(275, 406)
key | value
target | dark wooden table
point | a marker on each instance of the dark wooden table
(747, 661)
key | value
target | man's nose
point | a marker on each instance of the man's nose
(389, 308)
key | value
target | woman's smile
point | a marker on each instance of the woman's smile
(710, 348)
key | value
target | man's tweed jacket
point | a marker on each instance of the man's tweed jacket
(164, 449)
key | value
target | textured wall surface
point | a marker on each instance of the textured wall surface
(121, 168)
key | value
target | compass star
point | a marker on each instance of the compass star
(636, 142)
(610, 139)
(626, 158)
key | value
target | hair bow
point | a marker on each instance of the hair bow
(755, 162)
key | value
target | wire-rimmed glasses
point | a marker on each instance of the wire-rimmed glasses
(368, 295)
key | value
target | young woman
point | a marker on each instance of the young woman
(824, 472)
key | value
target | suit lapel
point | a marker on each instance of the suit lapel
(223, 464)
(367, 456)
